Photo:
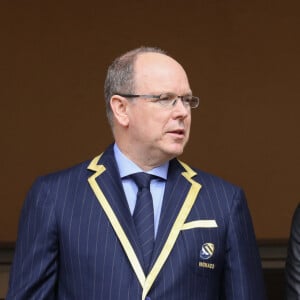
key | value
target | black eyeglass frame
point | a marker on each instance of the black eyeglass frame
(191, 101)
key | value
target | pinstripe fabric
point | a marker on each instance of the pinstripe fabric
(67, 248)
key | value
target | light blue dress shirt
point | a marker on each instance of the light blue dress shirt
(157, 186)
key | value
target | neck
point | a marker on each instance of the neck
(145, 162)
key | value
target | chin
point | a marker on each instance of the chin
(176, 151)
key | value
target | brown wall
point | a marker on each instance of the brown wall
(242, 58)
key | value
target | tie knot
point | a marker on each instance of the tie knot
(142, 179)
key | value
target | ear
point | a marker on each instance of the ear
(119, 107)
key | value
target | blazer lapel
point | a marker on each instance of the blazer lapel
(180, 195)
(107, 186)
(176, 190)
(111, 186)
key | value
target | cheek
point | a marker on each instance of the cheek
(151, 122)
(146, 127)
(155, 122)
(188, 123)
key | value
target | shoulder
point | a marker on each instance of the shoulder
(73, 173)
(210, 181)
(216, 191)
(295, 228)
(80, 171)
(45, 187)
(296, 216)
(213, 181)
(67, 180)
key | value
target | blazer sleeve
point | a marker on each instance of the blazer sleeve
(243, 277)
(34, 269)
(292, 268)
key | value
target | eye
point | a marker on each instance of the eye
(167, 97)
(188, 98)
(191, 101)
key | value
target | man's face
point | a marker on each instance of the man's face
(156, 132)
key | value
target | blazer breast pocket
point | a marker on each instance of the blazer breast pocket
(204, 246)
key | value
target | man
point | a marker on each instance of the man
(80, 232)
(292, 268)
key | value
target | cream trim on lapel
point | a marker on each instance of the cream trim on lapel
(146, 282)
(114, 220)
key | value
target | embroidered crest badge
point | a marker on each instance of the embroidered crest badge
(207, 250)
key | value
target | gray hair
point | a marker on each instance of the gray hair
(120, 76)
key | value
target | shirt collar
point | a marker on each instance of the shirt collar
(128, 167)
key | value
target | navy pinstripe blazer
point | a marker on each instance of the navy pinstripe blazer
(77, 239)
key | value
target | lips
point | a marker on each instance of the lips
(178, 132)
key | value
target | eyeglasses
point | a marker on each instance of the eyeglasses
(168, 99)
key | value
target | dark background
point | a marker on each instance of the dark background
(242, 58)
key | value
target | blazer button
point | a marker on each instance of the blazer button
(148, 298)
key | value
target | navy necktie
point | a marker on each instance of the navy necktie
(143, 216)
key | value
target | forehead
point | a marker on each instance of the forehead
(155, 72)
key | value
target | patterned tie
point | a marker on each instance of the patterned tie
(143, 216)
